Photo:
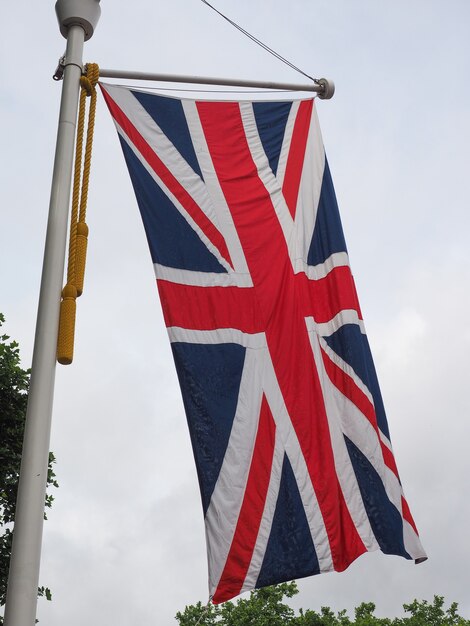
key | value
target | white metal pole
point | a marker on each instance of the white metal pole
(77, 19)
(324, 87)
(20, 608)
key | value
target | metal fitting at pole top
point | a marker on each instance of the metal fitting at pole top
(328, 88)
(84, 13)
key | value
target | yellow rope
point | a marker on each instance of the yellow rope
(76, 188)
(78, 238)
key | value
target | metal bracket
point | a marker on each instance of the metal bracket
(59, 72)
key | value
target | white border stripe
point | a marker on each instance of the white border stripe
(315, 272)
(282, 163)
(309, 190)
(201, 279)
(346, 316)
(265, 174)
(255, 341)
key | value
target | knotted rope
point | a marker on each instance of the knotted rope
(78, 239)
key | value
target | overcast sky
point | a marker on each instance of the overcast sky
(124, 543)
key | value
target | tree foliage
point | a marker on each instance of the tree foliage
(266, 607)
(14, 384)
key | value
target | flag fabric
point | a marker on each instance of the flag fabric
(290, 438)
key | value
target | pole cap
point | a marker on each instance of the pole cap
(328, 88)
(84, 13)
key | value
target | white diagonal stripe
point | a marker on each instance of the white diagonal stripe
(345, 418)
(211, 181)
(337, 408)
(267, 518)
(386, 441)
(299, 466)
(412, 542)
(227, 497)
(297, 234)
(339, 362)
(163, 147)
(174, 200)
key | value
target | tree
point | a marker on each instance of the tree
(265, 607)
(14, 383)
(432, 614)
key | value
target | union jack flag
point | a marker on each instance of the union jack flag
(288, 429)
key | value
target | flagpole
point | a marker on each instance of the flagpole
(77, 20)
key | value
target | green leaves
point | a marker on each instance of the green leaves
(265, 607)
(433, 614)
(199, 615)
(14, 385)
(45, 592)
(14, 382)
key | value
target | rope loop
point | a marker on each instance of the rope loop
(93, 73)
(89, 80)
(85, 83)
(78, 238)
